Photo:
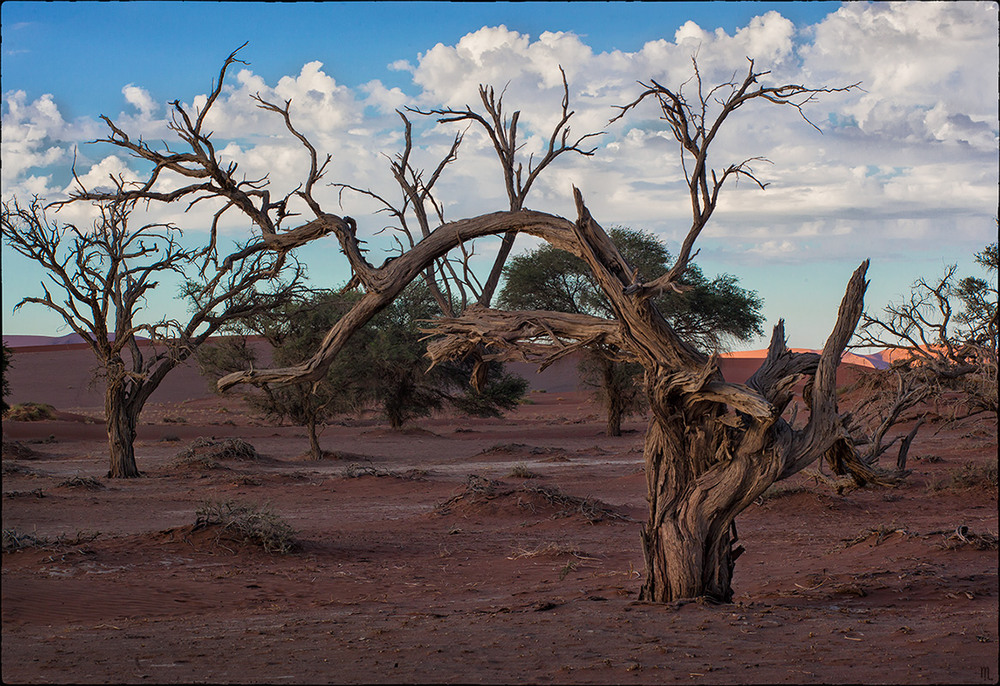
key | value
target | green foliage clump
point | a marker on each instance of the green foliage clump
(979, 302)
(708, 313)
(382, 365)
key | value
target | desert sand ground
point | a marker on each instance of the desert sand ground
(412, 566)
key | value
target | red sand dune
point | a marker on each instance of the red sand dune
(62, 372)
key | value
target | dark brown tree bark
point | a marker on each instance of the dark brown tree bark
(314, 449)
(613, 426)
(122, 418)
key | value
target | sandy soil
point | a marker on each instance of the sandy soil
(403, 573)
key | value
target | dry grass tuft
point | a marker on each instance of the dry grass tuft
(970, 475)
(548, 550)
(521, 471)
(778, 491)
(30, 412)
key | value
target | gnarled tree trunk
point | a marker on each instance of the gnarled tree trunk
(712, 447)
(122, 418)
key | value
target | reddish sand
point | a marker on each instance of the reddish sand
(390, 585)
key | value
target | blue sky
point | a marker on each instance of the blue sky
(904, 172)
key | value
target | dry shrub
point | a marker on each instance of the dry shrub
(247, 523)
(480, 490)
(204, 453)
(356, 471)
(228, 449)
(973, 475)
(15, 450)
(14, 540)
(31, 412)
(880, 533)
(521, 471)
(88, 483)
(963, 537)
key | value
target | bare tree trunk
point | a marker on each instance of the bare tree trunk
(689, 538)
(614, 422)
(314, 450)
(122, 419)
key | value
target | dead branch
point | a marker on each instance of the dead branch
(693, 129)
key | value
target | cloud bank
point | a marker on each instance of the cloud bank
(910, 158)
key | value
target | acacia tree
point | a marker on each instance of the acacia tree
(101, 275)
(292, 330)
(382, 366)
(712, 447)
(703, 312)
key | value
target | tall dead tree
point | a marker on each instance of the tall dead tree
(103, 273)
(100, 276)
(942, 339)
(712, 447)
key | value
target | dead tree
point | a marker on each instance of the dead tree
(935, 349)
(712, 447)
(502, 132)
(101, 276)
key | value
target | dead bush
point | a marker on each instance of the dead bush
(480, 490)
(981, 475)
(87, 483)
(205, 453)
(964, 537)
(15, 450)
(247, 523)
(14, 540)
(356, 470)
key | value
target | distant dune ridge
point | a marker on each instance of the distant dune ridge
(60, 370)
